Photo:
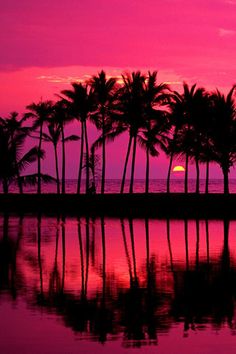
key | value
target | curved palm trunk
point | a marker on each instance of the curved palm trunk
(207, 177)
(133, 165)
(197, 176)
(226, 180)
(169, 173)
(81, 158)
(87, 156)
(103, 157)
(39, 158)
(186, 175)
(126, 164)
(147, 171)
(56, 166)
(169, 244)
(63, 175)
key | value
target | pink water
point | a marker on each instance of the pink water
(156, 185)
(113, 286)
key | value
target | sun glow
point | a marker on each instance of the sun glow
(178, 169)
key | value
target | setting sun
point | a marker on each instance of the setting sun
(178, 169)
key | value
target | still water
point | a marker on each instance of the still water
(155, 186)
(82, 285)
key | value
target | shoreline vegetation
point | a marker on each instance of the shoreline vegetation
(136, 205)
(194, 126)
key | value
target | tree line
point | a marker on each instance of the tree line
(196, 126)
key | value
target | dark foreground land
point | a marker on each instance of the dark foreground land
(158, 205)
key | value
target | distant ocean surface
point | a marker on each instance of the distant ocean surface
(155, 186)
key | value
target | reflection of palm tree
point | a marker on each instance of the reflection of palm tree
(55, 283)
(63, 238)
(186, 242)
(126, 250)
(131, 230)
(104, 92)
(207, 241)
(169, 244)
(197, 243)
(83, 294)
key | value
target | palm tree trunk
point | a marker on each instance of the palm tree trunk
(126, 164)
(197, 175)
(63, 175)
(39, 158)
(169, 173)
(207, 177)
(226, 180)
(147, 171)
(81, 158)
(103, 156)
(133, 165)
(131, 229)
(87, 156)
(39, 219)
(56, 165)
(186, 175)
(186, 243)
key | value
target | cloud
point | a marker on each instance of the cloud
(223, 32)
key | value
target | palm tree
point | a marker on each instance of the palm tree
(131, 97)
(224, 132)
(13, 127)
(106, 100)
(157, 123)
(12, 163)
(187, 107)
(80, 100)
(40, 112)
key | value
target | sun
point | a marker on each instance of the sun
(178, 169)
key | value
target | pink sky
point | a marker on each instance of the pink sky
(46, 44)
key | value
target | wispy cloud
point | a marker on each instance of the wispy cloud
(223, 32)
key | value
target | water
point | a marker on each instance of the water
(82, 285)
(156, 185)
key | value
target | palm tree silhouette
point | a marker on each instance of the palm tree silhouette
(131, 97)
(155, 133)
(14, 127)
(11, 161)
(187, 107)
(224, 132)
(104, 90)
(80, 100)
(40, 112)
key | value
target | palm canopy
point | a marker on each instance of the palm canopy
(80, 100)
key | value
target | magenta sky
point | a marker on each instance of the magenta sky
(46, 44)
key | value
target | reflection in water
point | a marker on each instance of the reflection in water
(108, 279)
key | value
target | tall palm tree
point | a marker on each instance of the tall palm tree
(40, 112)
(80, 100)
(131, 97)
(56, 134)
(224, 132)
(188, 107)
(106, 105)
(155, 133)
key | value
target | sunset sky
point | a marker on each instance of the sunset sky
(47, 44)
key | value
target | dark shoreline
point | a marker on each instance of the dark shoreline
(155, 205)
